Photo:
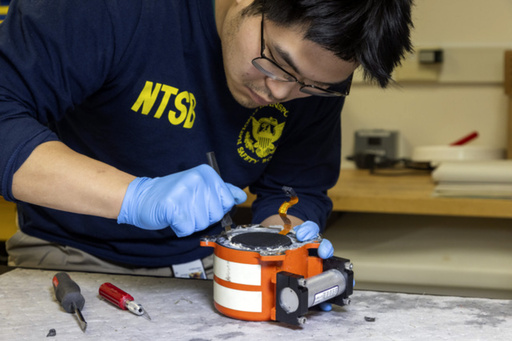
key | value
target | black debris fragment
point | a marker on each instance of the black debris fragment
(51, 332)
(369, 319)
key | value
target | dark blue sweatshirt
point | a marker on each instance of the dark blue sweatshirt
(140, 85)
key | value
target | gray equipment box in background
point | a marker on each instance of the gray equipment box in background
(379, 142)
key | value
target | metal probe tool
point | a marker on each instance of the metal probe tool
(226, 221)
(68, 294)
(121, 299)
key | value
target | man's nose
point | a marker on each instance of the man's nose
(284, 90)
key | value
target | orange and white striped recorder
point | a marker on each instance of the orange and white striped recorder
(262, 275)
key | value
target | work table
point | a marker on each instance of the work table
(407, 192)
(410, 193)
(182, 309)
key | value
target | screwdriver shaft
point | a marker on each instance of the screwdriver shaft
(81, 320)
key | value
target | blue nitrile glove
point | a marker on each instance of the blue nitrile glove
(187, 201)
(310, 230)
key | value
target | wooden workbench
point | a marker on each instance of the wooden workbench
(7, 219)
(410, 193)
(183, 309)
(359, 191)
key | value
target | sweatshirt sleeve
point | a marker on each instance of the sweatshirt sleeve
(53, 54)
(308, 160)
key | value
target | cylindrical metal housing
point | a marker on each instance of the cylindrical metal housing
(324, 286)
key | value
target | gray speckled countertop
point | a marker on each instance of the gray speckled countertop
(183, 310)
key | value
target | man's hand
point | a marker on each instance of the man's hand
(187, 201)
(310, 230)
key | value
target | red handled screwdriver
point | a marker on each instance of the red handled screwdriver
(121, 299)
(69, 296)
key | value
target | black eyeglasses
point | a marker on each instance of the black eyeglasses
(271, 69)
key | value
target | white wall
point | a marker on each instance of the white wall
(430, 113)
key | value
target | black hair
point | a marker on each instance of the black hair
(373, 33)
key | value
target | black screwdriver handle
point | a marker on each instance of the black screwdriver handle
(67, 292)
(227, 221)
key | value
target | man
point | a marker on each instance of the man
(108, 108)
